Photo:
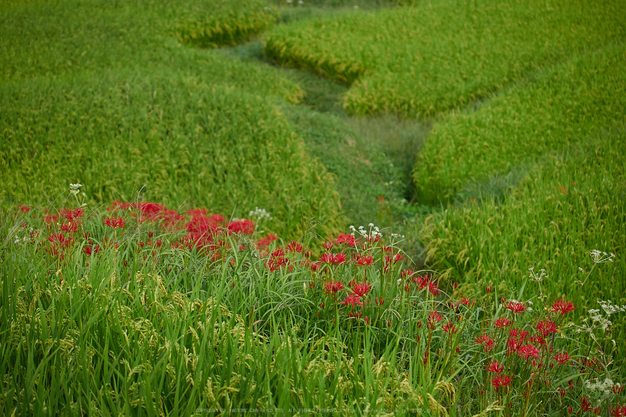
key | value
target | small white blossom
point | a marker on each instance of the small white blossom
(75, 188)
(603, 388)
(533, 275)
(609, 308)
(260, 214)
(601, 257)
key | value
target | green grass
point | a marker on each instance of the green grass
(146, 327)
(544, 115)
(452, 52)
(369, 158)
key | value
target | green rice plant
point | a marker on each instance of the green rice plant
(222, 22)
(61, 39)
(119, 105)
(189, 143)
(441, 55)
(556, 110)
(568, 203)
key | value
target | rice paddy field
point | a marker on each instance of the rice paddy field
(322, 207)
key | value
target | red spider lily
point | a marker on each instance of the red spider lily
(353, 300)
(266, 241)
(570, 409)
(333, 287)
(356, 315)
(501, 381)
(406, 273)
(562, 391)
(516, 340)
(114, 222)
(202, 225)
(339, 258)
(495, 367)
(89, 250)
(426, 282)
(390, 260)
(516, 307)
(70, 227)
(72, 214)
(450, 328)
(277, 260)
(433, 318)
(465, 301)
(502, 322)
(49, 219)
(563, 307)
(362, 289)
(617, 389)
(216, 218)
(486, 341)
(538, 340)
(528, 351)
(197, 212)
(58, 243)
(326, 258)
(315, 266)
(244, 226)
(295, 247)
(364, 261)
(619, 411)
(562, 358)
(328, 245)
(379, 301)
(488, 289)
(546, 327)
(59, 240)
(432, 288)
(149, 207)
(347, 239)
(118, 205)
(585, 404)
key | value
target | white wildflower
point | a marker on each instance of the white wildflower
(609, 308)
(537, 277)
(260, 214)
(603, 388)
(601, 257)
(75, 188)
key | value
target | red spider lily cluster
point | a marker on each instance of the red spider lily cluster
(356, 281)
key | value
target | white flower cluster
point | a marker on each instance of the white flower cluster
(601, 257)
(260, 214)
(75, 188)
(597, 321)
(610, 308)
(604, 388)
(533, 275)
(27, 238)
(370, 234)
